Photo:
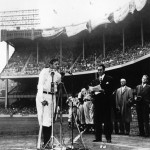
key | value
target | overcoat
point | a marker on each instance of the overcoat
(123, 103)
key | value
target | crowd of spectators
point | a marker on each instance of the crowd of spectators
(27, 62)
(23, 107)
(113, 57)
(20, 107)
(16, 63)
(16, 111)
(11, 85)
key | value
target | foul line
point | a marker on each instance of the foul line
(128, 146)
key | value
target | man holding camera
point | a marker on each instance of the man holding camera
(49, 78)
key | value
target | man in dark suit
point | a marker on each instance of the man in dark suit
(142, 106)
(102, 104)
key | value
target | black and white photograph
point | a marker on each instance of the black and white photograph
(74, 74)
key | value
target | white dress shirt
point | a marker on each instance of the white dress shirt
(101, 77)
(123, 88)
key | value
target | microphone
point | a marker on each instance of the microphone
(52, 83)
(52, 87)
(52, 72)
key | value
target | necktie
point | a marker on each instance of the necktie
(123, 88)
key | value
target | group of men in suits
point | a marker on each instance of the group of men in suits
(124, 99)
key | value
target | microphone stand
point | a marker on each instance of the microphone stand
(72, 146)
(60, 95)
(72, 116)
(53, 139)
(52, 91)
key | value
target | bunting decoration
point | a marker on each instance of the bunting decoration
(121, 13)
(139, 4)
(75, 29)
(90, 24)
(52, 33)
(94, 23)
(111, 17)
(132, 6)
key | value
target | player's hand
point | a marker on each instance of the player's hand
(44, 103)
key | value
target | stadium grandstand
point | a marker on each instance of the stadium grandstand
(124, 48)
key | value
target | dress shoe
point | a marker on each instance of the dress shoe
(97, 140)
(108, 141)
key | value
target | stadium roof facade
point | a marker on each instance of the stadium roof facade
(123, 15)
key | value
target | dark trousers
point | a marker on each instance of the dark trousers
(124, 127)
(102, 115)
(143, 118)
(115, 127)
(99, 121)
(46, 134)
